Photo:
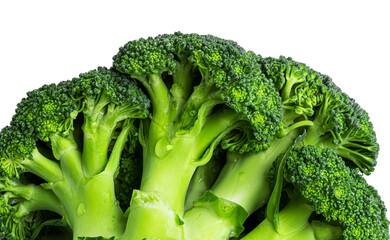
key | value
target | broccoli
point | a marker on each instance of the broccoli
(187, 137)
(328, 200)
(306, 95)
(70, 136)
(202, 90)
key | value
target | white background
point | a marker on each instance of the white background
(50, 41)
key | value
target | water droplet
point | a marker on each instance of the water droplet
(81, 209)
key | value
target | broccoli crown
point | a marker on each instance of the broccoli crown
(301, 88)
(47, 110)
(53, 108)
(45, 138)
(311, 99)
(13, 145)
(345, 126)
(337, 192)
(110, 86)
(222, 65)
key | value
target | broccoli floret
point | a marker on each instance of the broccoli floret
(203, 90)
(305, 94)
(341, 124)
(71, 136)
(321, 186)
(338, 122)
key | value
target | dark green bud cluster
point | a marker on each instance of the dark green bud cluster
(14, 145)
(301, 88)
(45, 111)
(222, 64)
(337, 192)
(102, 81)
(147, 56)
(349, 128)
(109, 87)
(339, 122)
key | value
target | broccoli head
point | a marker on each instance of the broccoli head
(70, 136)
(327, 199)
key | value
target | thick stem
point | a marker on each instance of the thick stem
(99, 213)
(242, 181)
(214, 218)
(89, 202)
(65, 150)
(244, 178)
(170, 163)
(293, 221)
(91, 207)
(97, 137)
(151, 218)
(169, 172)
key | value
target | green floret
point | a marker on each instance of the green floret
(71, 136)
(341, 124)
(305, 93)
(244, 178)
(195, 73)
(328, 190)
(203, 90)
(301, 88)
(338, 122)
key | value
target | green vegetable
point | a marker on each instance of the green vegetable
(318, 181)
(70, 136)
(182, 139)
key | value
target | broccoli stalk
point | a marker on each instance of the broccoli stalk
(243, 182)
(89, 201)
(70, 136)
(204, 177)
(199, 88)
(293, 221)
